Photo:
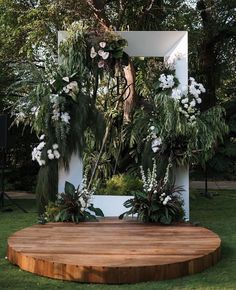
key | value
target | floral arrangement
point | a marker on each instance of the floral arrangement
(108, 50)
(177, 128)
(74, 205)
(159, 201)
(58, 102)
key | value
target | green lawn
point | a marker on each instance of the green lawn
(218, 214)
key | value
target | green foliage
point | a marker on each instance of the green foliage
(74, 205)
(47, 185)
(122, 184)
(159, 201)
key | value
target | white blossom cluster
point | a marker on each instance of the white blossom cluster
(37, 153)
(166, 81)
(187, 97)
(103, 54)
(57, 114)
(25, 112)
(189, 101)
(165, 198)
(71, 88)
(85, 195)
(156, 141)
(149, 181)
(51, 153)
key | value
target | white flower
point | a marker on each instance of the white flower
(193, 103)
(73, 86)
(184, 101)
(41, 145)
(55, 146)
(102, 44)
(176, 94)
(51, 156)
(42, 137)
(199, 100)
(93, 53)
(186, 106)
(52, 82)
(100, 52)
(56, 115)
(105, 55)
(54, 98)
(168, 198)
(65, 117)
(49, 151)
(43, 162)
(101, 63)
(166, 81)
(201, 88)
(56, 154)
(66, 79)
(152, 128)
(35, 111)
(66, 90)
(192, 118)
(156, 144)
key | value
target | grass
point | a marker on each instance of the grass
(218, 214)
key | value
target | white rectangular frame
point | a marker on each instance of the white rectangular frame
(171, 45)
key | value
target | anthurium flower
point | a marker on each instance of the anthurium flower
(103, 54)
(93, 53)
(73, 86)
(101, 63)
(102, 44)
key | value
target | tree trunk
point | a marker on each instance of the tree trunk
(129, 98)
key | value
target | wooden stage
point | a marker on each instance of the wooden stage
(113, 251)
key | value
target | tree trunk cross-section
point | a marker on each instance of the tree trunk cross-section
(113, 251)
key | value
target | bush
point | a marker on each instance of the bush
(122, 184)
(159, 201)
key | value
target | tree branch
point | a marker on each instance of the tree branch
(99, 13)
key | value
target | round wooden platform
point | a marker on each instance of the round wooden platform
(113, 251)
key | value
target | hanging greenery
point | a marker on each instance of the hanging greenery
(170, 124)
(60, 103)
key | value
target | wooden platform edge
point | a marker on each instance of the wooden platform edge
(107, 275)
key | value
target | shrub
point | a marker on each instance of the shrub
(122, 184)
(74, 205)
(158, 201)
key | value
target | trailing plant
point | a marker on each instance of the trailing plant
(74, 205)
(59, 101)
(122, 184)
(159, 201)
(176, 128)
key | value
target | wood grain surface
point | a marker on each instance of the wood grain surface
(113, 251)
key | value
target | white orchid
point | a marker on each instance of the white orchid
(156, 143)
(55, 146)
(65, 117)
(41, 145)
(166, 82)
(176, 94)
(93, 53)
(56, 154)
